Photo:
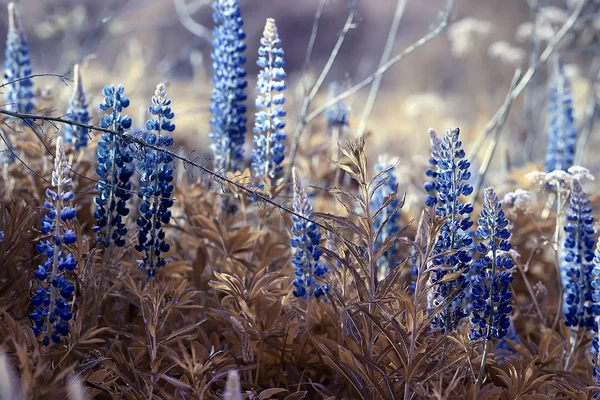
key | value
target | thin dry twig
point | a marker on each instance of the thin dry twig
(491, 150)
(529, 74)
(302, 121)
(387, 52)
(130, 139)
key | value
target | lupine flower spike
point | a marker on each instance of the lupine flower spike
(310, 273)
(157, 189)
(490, 291)
(562, 135)
(269, 139)
(450, 184)
(114, 169)
(53, 297)
(390, 215)
(596, 328)
(77, 112)
(228, 121)
(17, 66)
(577, 261)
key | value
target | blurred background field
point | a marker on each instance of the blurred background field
(460, 78)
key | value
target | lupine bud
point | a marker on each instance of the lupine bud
(269, 139)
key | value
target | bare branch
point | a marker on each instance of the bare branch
(387, 52)
(308, 98)
(133, 140)
(548, 51)
(490, 153)
(184, 14)
(425, 39)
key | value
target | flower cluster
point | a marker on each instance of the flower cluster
(454, 244)
(114, 169)
(562, 135)
(227, 107)
(269, 139)
(77, 112)
(305, 239)
(387, 221)
(490, 291)
(577, 261)
(336, 115)
(52, 299)
(596, 299)
(17, 66)
(156, 177)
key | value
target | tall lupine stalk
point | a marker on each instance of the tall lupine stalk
(454, 244)
(305, 239)
(490, 290)
(227, 107)
(77, 112)
(269, 139)
(53, 297)
(156, 177)
(596, 328)
(577, 262)
(114, 171)
(387, 222)
(18, 89)
(17, 66)
(562, 134)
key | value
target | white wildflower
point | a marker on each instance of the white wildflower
(558, 177)
(537, 177)
(520, 199)
(505, 52)
(463, 33)
(580, 172)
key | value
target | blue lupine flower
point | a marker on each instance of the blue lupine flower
(490, 292)
(391, 213)
(336, 115)
(156, 177)
(52, 299)
(503, 350)
(77, 112)
(310, 273)
(596, 359)
(451, 183)
(595, 276)
(227, 107)
(577, 261)
(18, 91)
(269, 139)
(562, 134)
(1, 236)
(114, 169)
